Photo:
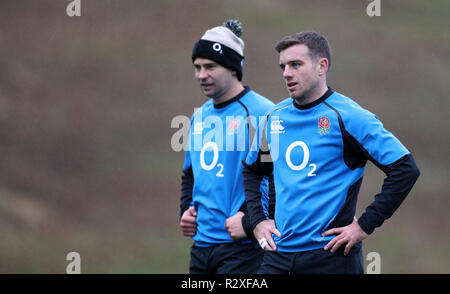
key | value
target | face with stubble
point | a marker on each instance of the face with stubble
(301, 73)
(214, 79)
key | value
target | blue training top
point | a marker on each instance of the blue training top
(219, 140)
(319, 152)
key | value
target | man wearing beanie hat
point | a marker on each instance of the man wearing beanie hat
(223, 46)
(213, 208)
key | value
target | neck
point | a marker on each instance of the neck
(312, 95)
(233, 91)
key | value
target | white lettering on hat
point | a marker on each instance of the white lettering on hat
(217, 47)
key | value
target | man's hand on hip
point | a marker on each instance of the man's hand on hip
(349, 235)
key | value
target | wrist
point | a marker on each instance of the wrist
(256, 221)
(364, 226)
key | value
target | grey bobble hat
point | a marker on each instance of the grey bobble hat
(223, 45)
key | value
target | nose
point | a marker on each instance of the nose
(202, 73)
(287, 73)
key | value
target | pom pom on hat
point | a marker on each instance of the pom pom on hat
(235, 26)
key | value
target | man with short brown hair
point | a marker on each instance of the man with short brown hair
(318, 142)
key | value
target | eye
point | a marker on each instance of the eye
(282, 66)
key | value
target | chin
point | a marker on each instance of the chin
(209, 94)
(297, 96)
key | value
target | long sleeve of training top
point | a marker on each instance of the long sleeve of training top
(401, 176)
(253, 175)
(187, 184)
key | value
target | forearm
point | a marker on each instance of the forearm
(246, 221)
(253, 175)
(271, 197)
(400, 179)
(187, 185)
(246, 225)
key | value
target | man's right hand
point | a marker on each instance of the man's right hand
(188, 222)
(263, 232)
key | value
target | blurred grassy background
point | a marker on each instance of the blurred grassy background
(86, 104)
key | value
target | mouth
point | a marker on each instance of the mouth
(291, 85)
(205, 86)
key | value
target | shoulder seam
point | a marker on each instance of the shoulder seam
(276, 109)
(355, 141)
(245, 107)
(251, 128)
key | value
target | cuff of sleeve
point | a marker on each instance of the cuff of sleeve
(247, 227)
(255, 221)
(365, 226)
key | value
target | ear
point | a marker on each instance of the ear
(234, 74)
(322, 65)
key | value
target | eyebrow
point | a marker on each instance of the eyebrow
(292, 61)
(205, 64)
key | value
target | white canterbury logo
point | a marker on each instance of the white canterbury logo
(276, 127)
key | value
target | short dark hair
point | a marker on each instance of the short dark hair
(317, 44)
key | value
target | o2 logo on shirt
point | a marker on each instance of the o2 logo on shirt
(213, 164)
(305, 158)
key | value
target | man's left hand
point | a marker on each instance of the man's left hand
(350, 234)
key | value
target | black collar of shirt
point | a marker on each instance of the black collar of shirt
(315, 102)
(235, 98)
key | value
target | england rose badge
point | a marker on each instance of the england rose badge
(324, 125)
